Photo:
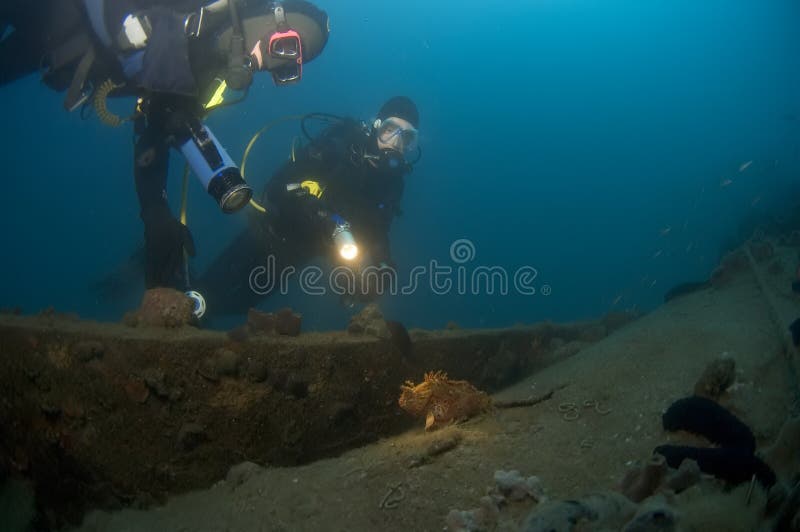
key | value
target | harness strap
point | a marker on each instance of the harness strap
(280, 18)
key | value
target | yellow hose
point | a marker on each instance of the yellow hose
(253, 139)
(257, 206)
(295, 143)
(184, 193)
(184, 207)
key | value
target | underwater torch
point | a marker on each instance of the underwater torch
(343, 238)
(214, 167)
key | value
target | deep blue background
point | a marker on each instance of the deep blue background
(564, 135)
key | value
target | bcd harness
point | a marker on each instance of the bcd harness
(91, 52)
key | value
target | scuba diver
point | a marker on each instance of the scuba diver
(177, 58)
(335, 197)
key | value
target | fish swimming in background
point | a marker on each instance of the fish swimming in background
(616, 300)
(745, 166)
(665, 231)
(755, 201)
(657, 254)
(725, 182)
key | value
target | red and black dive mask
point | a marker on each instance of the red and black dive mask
(281, 52)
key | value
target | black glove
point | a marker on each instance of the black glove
(165, 239)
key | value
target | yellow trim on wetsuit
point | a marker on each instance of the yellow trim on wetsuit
(219, 95)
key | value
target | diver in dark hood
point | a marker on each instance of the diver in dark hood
(177, 58)
(335, 198)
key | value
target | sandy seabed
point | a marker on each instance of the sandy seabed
(628, 379)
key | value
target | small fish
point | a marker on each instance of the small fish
(616, 300)
(653, 283)
(725, 182)
(689, 247)
(657, 254)
(755, 201)
(665, 231)
(745, 166)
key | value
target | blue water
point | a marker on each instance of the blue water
(564, 136)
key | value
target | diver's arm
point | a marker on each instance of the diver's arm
(386, 211)
(295, 204)
(380, 250)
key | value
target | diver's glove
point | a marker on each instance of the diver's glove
(165, 239)
(306, 208)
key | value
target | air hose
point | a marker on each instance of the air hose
(101, 107)
(253, 139)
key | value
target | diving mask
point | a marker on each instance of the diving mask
(281, 52)
(396, 134)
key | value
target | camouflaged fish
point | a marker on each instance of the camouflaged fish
(441, 400)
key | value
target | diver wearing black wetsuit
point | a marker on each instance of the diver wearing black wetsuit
(172, 55)
(349, 177)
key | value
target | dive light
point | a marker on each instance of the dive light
(214, 167)
(343, 239)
